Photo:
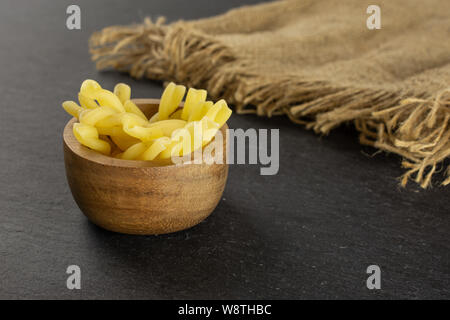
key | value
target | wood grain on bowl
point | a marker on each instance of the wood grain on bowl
(142, 197)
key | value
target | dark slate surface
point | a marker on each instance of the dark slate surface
(308, 232)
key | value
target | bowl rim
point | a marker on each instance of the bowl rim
(94, 156)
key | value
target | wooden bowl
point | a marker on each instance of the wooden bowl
(141, 197)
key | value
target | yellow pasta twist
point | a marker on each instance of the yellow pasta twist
(170, 100)
(88, 135)
(169, 132)
(89, 87)
(123, 92)
(194, 99)
(183, 140)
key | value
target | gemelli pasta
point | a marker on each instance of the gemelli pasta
(112, 124)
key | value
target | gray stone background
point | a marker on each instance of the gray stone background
(308, 232)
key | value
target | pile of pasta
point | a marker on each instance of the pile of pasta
(110, 123)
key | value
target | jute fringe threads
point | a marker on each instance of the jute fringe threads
(416, 128)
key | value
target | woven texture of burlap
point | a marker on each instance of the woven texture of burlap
(316, 62)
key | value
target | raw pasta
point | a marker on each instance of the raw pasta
(170, 100)
(111, 123)
(88, 135)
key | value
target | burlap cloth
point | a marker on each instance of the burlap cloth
(316, 62)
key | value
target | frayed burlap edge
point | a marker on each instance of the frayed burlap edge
(410, 124)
